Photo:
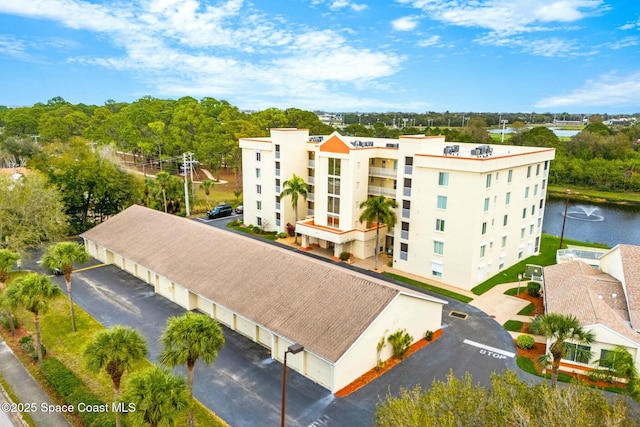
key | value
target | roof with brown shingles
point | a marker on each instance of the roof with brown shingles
(581, 290)
(319, 305)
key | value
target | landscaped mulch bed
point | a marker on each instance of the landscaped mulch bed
(388, 364)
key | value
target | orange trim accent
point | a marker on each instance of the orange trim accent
(304, 249)
(334, 145)
(572, 366)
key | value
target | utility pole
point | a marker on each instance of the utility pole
(186, 186)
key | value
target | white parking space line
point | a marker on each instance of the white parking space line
(489, 348)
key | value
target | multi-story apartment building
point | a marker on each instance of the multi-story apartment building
(465, 211)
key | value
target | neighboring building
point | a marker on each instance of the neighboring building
(465, 211)
(271, 295)
(606, 301)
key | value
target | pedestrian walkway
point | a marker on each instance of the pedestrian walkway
(27, 389)
(494, 302)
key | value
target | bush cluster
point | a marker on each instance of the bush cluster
(27, 345)
(73, 391)
(4, 319)
(400, 342)
(526, 342)
(533, 288)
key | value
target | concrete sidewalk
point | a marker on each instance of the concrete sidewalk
(27, 390)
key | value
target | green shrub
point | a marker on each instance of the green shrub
(282, 235)
(400, 342)
(73, 391)
(344, 256)
(389, 263)
(526, 342)
(533, 288)
(428, 335)
(27, 345)
(256, 229)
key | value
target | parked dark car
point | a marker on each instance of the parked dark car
(240, 210)
(220, 211)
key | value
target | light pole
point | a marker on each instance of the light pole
(293, 349)
(564, 219)
(519, 279)
(504, 125)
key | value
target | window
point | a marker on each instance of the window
(259, 221)
(439, 224)
(405, 230)
(504, 241)
(258, 156)
(333, 221)
(535, 190)
(541, 203)
(443, 179)
(486, 204)
(510, 175)
(522, 230)
(524, 213)
(577, 353)
(483, 250)
(488, 181)
(507, 198)
(505, 220)
(333, 185)
(608, 358)
(258, 172)
(538, 169)
(334, 167)
(333, 205)
(404, 251)
(442, 202)
(531, 229)
(526, 193)
(407, 183)
(533, 209)
(406, 208)
(408, 161)
(436, 269)
(259, 204)
(528, 171)
(520, 254)
(259, 189)
(544, 183)
(278, 218)
(438, 247)
(484, 228)
(373, 162)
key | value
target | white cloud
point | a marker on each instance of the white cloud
(406, 23)
(188, 47)
(609, 90)
(630, 25)
(10, 46)
(340, 4)
(430, 41)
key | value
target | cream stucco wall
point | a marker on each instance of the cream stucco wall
(416, 315)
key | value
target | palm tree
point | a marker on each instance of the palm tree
(163, 180)
(8, 259)
(619, 363)
(380, 210)
(32, 291)
(62, 256)
(296, 188)
(206, 186)
(158, 395)
(188, 338)
(558, 329)
(115, 350)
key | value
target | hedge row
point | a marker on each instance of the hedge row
(73, 391)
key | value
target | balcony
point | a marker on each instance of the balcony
(277, 189)
(404, 234)
(277, 206)
(277, 154)
(310, 212)
(381, 191)
(311, 180)
(311, 197)
(277, 172)
(311, 163)
(383, 172)
(406, 191)
(404, 256)
(408, 169)
(406, 213)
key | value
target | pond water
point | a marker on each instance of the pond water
(601, 223)
(558, 132)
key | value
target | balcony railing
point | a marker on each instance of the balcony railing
(382, 172)
(404, 256)
(406, 191)
(277, 206)
(311, 196)
(277, 154)
(406, 213)
(404, 234)
(311, 163)
(277, 189)
(277, 172)
(310, 212)
(408, 169)
(381, 191)
(311, 180)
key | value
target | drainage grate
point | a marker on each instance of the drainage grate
(458, 314)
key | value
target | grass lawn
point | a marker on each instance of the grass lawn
(548, 247)
(591, 195)
(68, 347)
(513, 325)
(431, 288)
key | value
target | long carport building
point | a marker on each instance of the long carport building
(272, 295)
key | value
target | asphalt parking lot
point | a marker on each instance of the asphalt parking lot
(243, 386)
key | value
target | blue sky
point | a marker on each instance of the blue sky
(579, 56)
